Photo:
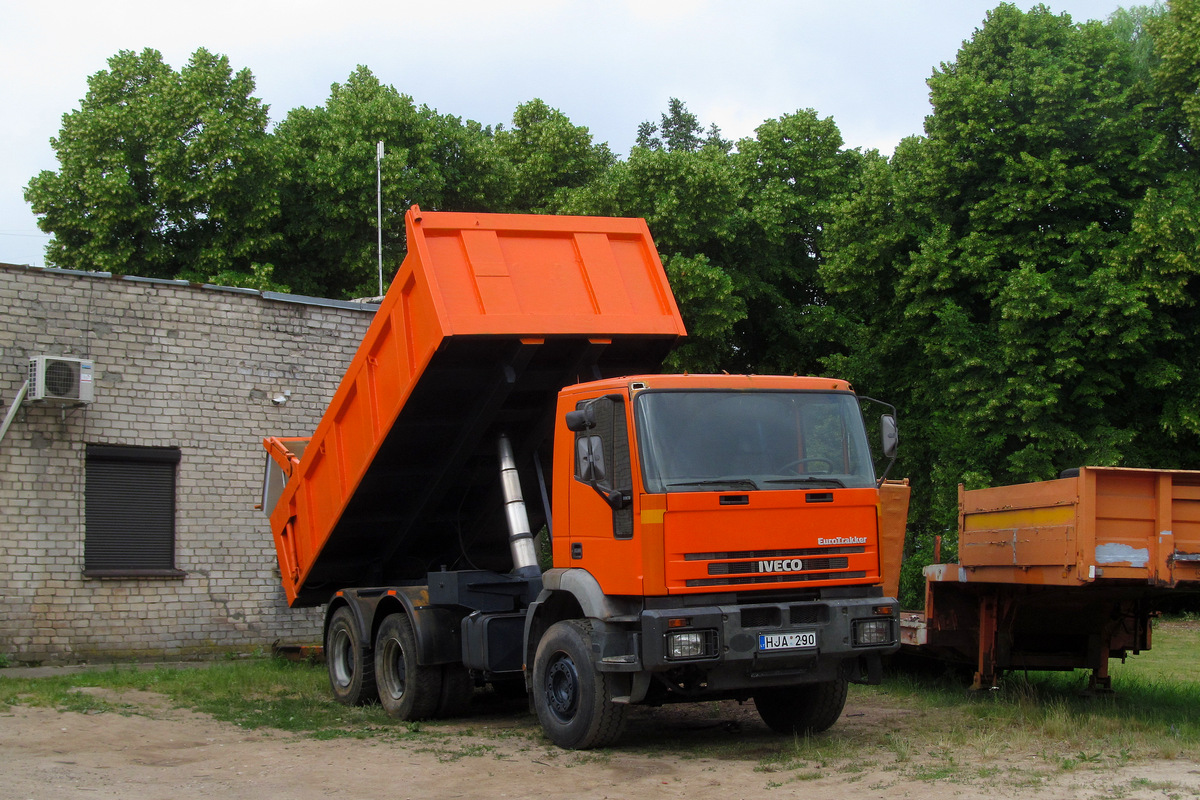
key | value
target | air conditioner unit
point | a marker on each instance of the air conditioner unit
(60, 379)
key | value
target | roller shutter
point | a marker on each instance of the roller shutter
(130, 519)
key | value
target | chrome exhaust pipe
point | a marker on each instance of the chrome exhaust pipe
(520, 539)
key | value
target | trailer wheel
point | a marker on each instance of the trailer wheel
(810, 708)
(407, 690)
(351, 667)
(572, 699)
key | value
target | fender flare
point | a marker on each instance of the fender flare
(573, 594)
(583, 586)
(436, 629)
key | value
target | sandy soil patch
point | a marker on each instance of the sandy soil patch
(150, 750)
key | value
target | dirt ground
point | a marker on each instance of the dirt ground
(156, 751)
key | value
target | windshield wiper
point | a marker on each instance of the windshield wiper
(810, 481)
(740, 482)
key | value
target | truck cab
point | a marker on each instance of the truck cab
(720, 533)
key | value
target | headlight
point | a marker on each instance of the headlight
(872, 632)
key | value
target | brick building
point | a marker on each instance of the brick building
(127, 526)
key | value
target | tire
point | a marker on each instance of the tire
(458, 687)
(807, 709)
(407, 690)
(350, 666)
(572, 699)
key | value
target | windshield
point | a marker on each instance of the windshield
(749, 440)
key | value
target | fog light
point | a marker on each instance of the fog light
(682, 645)
(869, 632)
(685, 645)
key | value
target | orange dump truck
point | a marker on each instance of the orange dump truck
(1061, 574)
(713, 536)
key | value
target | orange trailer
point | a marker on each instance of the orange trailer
(713, 536)
(1061, 574)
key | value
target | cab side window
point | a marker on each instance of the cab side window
(602, 457)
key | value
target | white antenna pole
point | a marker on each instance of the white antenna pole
(379, 207)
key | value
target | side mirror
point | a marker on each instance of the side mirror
(889, 434)
(589, 451)
(582, 419)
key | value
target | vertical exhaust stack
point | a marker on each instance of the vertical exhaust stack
(520, 539)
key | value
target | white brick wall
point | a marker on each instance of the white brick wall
(176, 366)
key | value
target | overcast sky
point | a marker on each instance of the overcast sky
(606, 65)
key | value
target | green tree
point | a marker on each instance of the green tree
(544, 155)
(680, 129)
(690, 201)
(328, 190)
(998, 279)
(793, 172)
(1176, 37)
(742, 232)
(163, 174)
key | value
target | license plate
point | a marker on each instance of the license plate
(787, 641)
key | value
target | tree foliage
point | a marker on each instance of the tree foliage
(1019, 280)
(162, 173)
(680, 129)
(546, 155)
(328, 184)
(755, 216)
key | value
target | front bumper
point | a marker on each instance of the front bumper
(718, 649)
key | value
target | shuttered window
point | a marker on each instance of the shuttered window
(130, 520)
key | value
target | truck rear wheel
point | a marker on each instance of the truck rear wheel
(810, 708)
(572, 699)
(407, 690)
(351, 667)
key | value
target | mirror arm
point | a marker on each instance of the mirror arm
(617, 499)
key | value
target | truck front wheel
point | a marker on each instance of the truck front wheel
(573, 700)
(351, 669)
(810, 708)
(407, 690)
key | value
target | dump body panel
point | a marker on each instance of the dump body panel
(1106, 524)
(488, 317)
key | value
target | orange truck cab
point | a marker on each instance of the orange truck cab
(713, 536)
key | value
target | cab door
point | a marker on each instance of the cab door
(602, 498)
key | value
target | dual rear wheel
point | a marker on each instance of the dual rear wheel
(388, 672)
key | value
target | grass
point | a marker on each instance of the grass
(1033, 729)
(255, 693)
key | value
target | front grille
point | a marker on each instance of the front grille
(776, 578)
(808, 615)
(808, 564)
(772, 554)
(772, 616)
(766, 617)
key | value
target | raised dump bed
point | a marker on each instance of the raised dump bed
(488, 317)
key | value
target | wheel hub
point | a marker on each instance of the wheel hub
(342, 659)
(395, 675)
(562, 688)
